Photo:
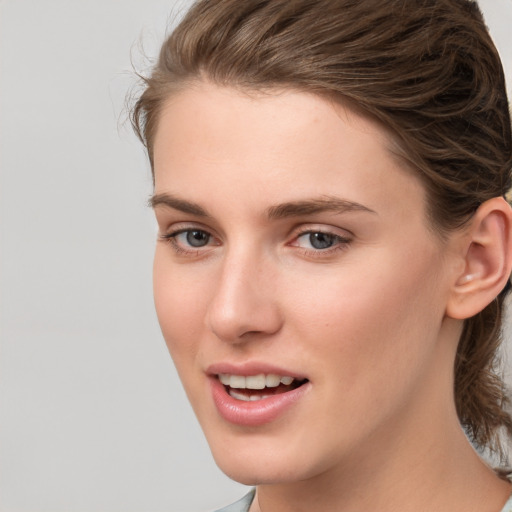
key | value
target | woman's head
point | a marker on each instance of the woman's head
(425, 71)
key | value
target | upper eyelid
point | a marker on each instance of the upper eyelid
(180, 227)
(340, 238)
(305, 228)
(329, 233)
(173, 233)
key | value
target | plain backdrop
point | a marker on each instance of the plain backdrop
(92, 416)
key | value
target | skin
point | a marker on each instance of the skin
(365, 320)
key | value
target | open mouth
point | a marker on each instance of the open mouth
(258, 387)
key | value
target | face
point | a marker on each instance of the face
(297, 283)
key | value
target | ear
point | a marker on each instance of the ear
(487, 260)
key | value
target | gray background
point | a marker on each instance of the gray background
(92, 417)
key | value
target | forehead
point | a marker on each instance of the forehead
(202, 102)
(276, 143)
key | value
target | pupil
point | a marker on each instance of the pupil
(321, 240)
(197, 238)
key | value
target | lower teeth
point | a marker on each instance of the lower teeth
(246, 398)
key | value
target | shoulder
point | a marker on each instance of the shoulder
(241, 505)
(508, 506)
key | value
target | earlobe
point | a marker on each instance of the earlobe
(487, 253)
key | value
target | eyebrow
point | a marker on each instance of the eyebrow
(312, 206)
(280, 211)
(176, 203)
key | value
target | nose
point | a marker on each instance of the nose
(244, 304)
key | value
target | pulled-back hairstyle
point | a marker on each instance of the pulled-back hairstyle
(426, 69)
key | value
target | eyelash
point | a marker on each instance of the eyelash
(171, 239)
(340, 243)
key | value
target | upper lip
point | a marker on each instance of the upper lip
(252, 368)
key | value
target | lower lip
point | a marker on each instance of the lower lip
(259, 412)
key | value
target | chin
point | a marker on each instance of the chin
(256, 472)
(247, 461)
(258, 460)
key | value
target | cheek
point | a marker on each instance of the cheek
(180, 308)
(369, 341)
(378, 318)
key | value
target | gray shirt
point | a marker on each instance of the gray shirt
(243, 504)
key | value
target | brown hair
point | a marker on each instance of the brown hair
(427, 69)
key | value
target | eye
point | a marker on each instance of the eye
(189, 241)
(319, 241)
(193, 238)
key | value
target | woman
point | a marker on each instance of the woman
(334, 247)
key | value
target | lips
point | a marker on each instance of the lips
(252, 398)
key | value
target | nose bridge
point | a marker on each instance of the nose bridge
(243, 301)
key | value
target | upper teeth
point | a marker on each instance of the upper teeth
(254, 381)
